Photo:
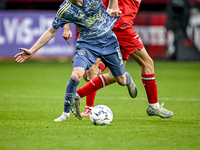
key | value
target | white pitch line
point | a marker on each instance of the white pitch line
(100, 97)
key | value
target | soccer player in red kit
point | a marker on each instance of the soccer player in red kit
(130, 45)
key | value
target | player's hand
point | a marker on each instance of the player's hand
(67, 34)
(115, 13)
(20, 57)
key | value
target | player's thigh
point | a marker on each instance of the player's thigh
(114, 62)
(128, 40)
(94, 70)
(140, 56)
(121, 79)
(144, 60)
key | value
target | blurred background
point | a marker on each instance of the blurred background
(170, 29)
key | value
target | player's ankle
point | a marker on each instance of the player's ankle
(154, 105)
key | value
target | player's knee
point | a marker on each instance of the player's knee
(148, 66)
(150, 62)
(76, 76)
(121, 80)
(77, 73)
(122, 83)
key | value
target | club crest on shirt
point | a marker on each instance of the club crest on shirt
(94, 5)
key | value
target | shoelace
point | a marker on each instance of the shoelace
(162, 104)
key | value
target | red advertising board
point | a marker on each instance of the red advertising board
(152, 30)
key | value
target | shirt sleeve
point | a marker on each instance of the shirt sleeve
(59, 22)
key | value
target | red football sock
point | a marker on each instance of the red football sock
(90, 99)
(102, 66)
(95, 84)
(150, 85)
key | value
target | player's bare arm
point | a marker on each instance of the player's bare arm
(113, 9)
(67, 34)
(27, 53)
(113, 4)
(79, 2)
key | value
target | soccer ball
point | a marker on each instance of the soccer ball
(101, 115)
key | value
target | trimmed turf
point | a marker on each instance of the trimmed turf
(31, 97)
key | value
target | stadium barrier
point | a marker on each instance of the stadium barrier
(23, 28)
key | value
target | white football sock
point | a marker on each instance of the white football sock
(154, 105)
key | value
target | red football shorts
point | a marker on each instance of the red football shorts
(128, 40)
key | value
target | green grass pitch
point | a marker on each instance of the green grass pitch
(32, 93)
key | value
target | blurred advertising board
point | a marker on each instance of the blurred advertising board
(23, 28)
(151, 28)
(193, 29)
